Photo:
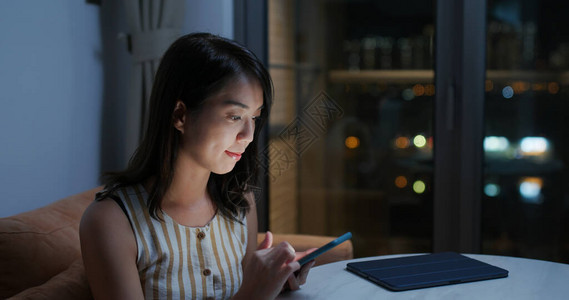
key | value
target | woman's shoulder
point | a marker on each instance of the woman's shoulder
(108, 211)
(104, 223)
(102, 213)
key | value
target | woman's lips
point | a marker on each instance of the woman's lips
(235, 156)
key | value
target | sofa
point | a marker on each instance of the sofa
(40, 256)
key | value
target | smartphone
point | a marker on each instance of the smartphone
(346, 236)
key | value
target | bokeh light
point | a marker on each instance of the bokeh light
(520, 87)
(352, 142)
(429, 89)
(407, 94)
(492, 190)
(401, 181)
(419, 141)
(530, 189)
(402, 142)
(508, 92)
(418, 90)
(496, 143)
(553, 87)
(419, 187)
(534, 145)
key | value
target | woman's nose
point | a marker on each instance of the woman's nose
(247, 131)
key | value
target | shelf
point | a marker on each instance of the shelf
(384, 76)
(426, 76)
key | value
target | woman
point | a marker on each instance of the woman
(180, 221)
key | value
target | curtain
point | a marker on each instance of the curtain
(153, 26)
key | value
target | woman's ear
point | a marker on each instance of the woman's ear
(179, 116)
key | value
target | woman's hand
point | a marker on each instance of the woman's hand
(268, 269)
(298, 278)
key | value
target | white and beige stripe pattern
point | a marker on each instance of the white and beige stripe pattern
(180, 262)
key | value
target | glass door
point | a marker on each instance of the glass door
(525, 205)
(351, 130)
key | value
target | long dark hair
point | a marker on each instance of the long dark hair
(193, 68)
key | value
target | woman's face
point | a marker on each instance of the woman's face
(214, 138)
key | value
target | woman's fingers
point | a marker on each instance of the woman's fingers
(280, 256)
(275, 268)
(284, 259)
(302, 254)
(293, 282)
(268, 270)
(267, 242)
(304, 272)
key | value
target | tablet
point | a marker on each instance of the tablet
(428, 270)
(346, 236)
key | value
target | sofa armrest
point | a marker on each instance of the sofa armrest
(302, 242)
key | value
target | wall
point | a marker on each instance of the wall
(50, 83)
(63, 80)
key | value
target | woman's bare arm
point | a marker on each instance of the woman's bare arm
(109, 252)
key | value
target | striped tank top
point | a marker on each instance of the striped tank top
(180, 262)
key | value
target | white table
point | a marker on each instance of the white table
(527, 279)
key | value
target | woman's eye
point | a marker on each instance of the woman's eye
(235, 118)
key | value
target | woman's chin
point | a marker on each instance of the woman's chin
(222, 171)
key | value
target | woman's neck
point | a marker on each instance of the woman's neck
(187, 200)
(188, 188)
